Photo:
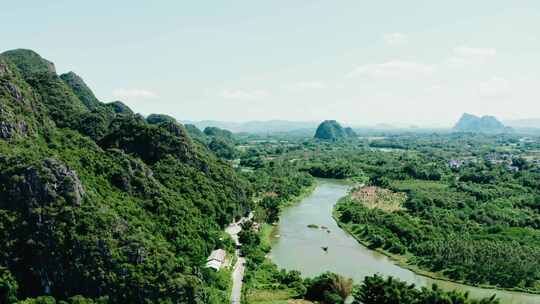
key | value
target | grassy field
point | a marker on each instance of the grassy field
(266, 235)
(375, 197)
(267, 296)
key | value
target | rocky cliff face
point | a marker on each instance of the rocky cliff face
(8, 130)
(43, 184)
(20, 112)
(3, 68)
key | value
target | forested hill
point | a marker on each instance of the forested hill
(484, 124)
(331, 130)
(97, 201)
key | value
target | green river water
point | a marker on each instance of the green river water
(298, 247)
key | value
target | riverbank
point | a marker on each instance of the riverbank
(267, 231)
(347, 256)
(403, 261)
(307, 191)
(260, 285)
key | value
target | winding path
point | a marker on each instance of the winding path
(238, 272)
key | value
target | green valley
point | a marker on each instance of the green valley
(102, 205)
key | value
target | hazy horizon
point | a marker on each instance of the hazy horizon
(362, 63)
(367, 125)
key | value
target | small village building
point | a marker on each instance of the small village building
(216, 259)
(455, 163)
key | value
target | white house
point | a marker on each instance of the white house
(216, 259)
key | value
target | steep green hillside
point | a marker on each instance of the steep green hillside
(80, 89)
(160, 118)
(95, 201)
(219, 133)
(196, 133)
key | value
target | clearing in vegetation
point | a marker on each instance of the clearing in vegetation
(375, 197)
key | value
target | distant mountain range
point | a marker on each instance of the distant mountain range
(258, 127)
(304, 128)
(467, 123)
(483, 124)
(529, 123)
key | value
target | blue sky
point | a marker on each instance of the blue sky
(361, 62)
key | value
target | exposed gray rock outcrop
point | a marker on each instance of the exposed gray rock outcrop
(8, 130)
(14, 91)
(133, 175)
(4, 70)
(42, 185)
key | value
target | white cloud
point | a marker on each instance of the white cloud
(311, 85)
(494, 88)
(435, 88)
(393, 69)
(244, 94)
(465, 56)
(475, 52)
(134, 94)
(395, 39)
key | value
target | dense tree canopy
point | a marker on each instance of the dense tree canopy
(101, 205)
(96, 201)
